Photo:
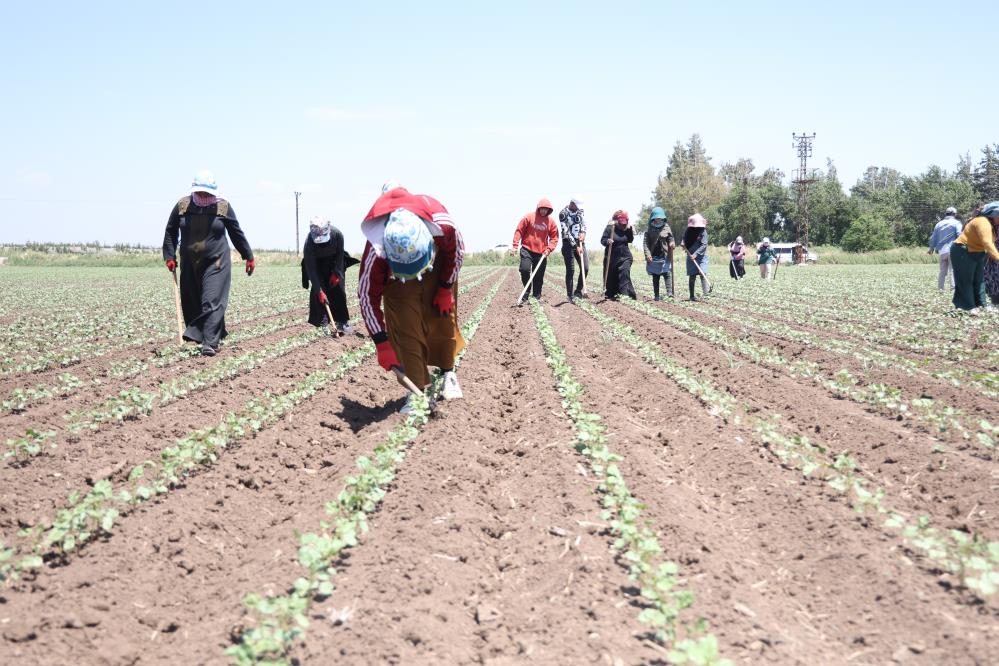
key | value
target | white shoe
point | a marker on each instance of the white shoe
(408, 406)
(345, 329)
(451, 390)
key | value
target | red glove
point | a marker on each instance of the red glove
(322, 297)
(444, 300)
(334, 280)
(171, 265)
(250, 265)
(386, 355)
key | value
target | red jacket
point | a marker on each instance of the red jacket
(537, 232)
(449, 250)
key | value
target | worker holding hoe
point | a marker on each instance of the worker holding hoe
(201, 220)
(766, 257)
(324, 264)
(695, 242)
(573, 248)
(534, 239)
(659, 246)
(617, 240)
(411, 262)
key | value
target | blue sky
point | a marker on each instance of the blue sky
(110, 108)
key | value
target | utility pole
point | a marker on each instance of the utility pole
(298, 246)
(802, 179)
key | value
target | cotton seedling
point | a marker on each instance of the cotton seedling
(30, 445)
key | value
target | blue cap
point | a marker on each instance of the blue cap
(409, 246)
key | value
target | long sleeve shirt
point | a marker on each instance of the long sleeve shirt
(737, 250)
(766, 255)
(375, 274)
(979, 237)
(944, 234)
(573, 226)
(535, 232)
(199, 234)
(695, 239)
(658, 242)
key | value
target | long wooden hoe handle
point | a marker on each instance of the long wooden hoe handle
(698, 267)
(176, 302)
(329, 313)
(530, 280)
(406, 382)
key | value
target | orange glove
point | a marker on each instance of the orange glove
(322, 297)
(444, 300)
(386, 355)
(171, 265)
(250, 265)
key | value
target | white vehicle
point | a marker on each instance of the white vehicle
(787, 253)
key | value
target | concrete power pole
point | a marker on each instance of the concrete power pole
(802, 179)
(298, 246)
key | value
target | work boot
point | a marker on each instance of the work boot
(207, 350)
(450, 389)
(690, 284)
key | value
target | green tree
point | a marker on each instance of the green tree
(925, 199)
(690, 185)
(868, 233)
(986, 175)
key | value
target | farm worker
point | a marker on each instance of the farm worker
(659, 245)
(323, 266)
(617, 240)
(411, 262)
(766, 257)
(201, 220)
(695, 240)
(535, 238)
(944, 234)
(573, 251)
(737, 258)
(991, 275)
(968, 253)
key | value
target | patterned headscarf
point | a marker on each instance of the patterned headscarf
(620, 216)
(203, 199)
(320, 229)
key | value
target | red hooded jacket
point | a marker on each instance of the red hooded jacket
(449, 250)
(536, 232)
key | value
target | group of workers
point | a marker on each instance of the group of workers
(969, 260)
(413, 254)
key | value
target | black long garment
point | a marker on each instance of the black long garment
(205, 266)
(617, 244)
(320, 261)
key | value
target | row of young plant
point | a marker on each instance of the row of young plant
(276, 623)
(89, 515)
(888, 399)
(657, 577)
(935, 332)
(22, 399)
(985, 383)
(969, 556)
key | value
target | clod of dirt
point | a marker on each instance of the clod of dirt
(19, 633)
(487, 614)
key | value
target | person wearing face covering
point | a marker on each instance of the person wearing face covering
(534, 239)
(617, 240)
(659, 245)
(408, 287)
(196, 230)
(737, 259)
(695, 240)
(324, 264)
(573, 248)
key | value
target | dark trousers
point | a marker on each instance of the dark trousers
(619, 277)
(528, 261)
(969, 277)
(337, 301)
(204, 296)
(572, 259)
(668, 277)
(737, 268)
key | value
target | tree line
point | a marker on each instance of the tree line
(884, 209)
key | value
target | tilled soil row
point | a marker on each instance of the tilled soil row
(782, 570)
(957, 490)
(481, 552)
(32, 493)
(944, 393)
(932, 359)
(167, 586)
